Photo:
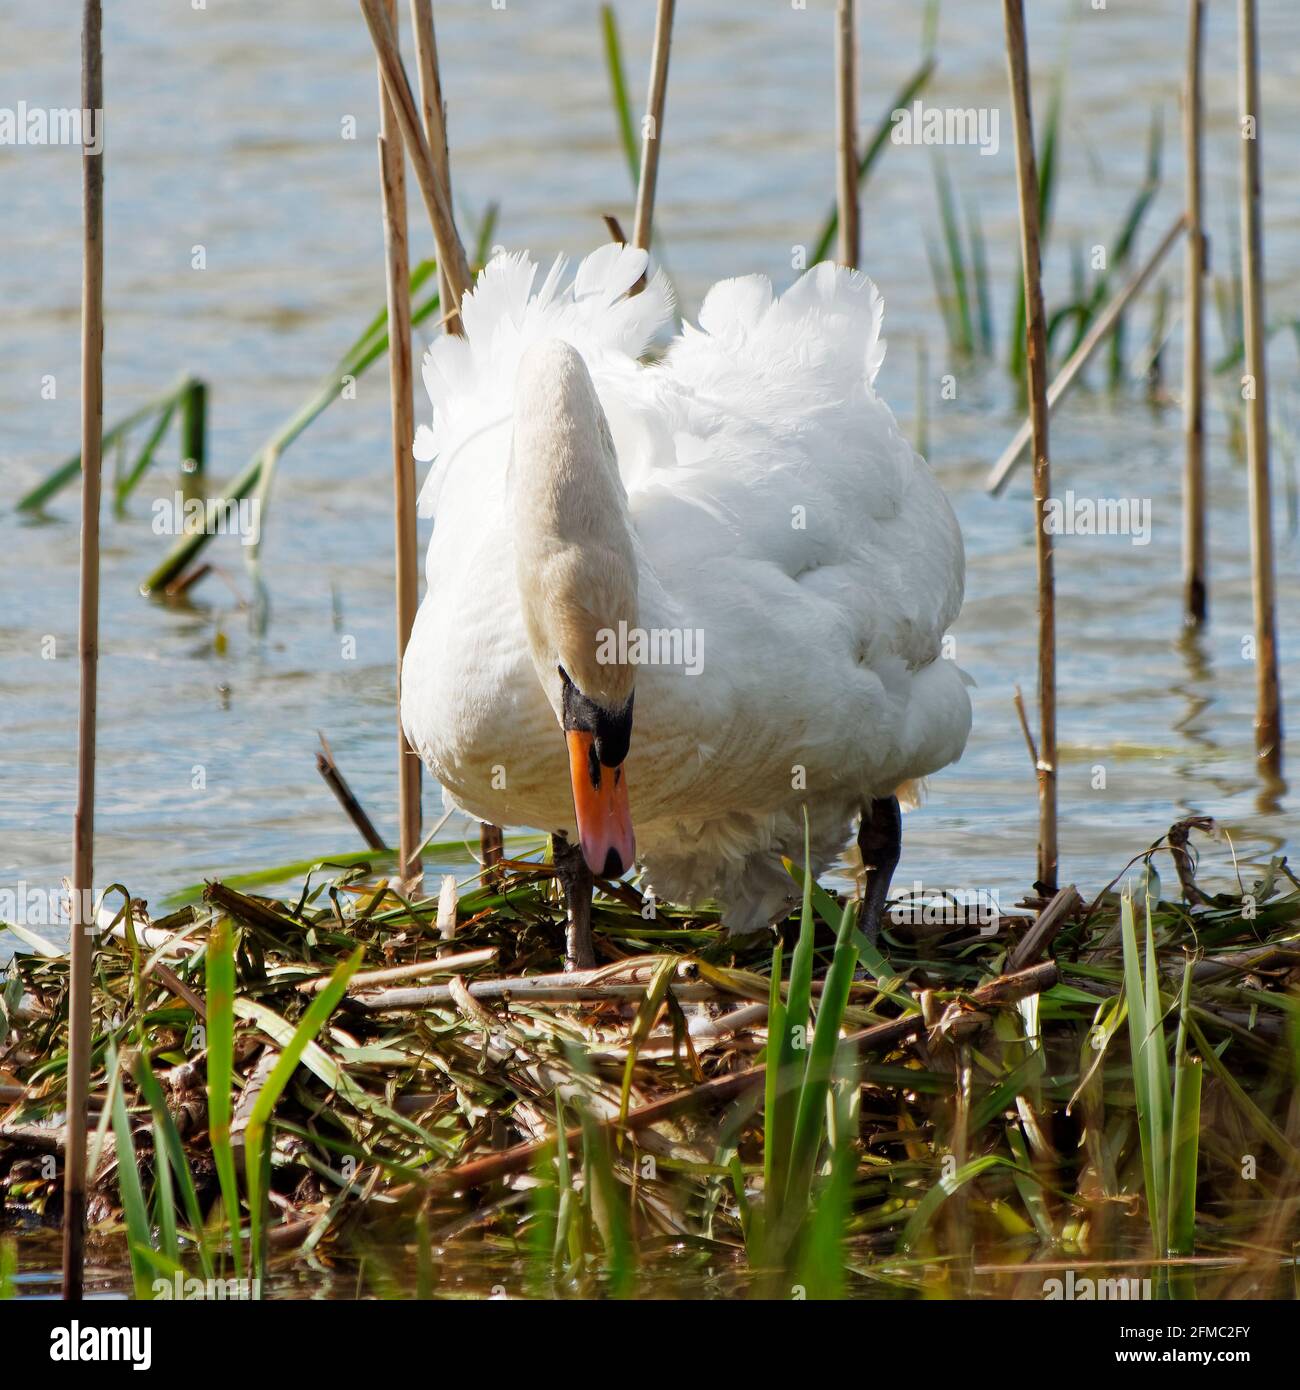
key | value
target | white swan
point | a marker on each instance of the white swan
(737, 535)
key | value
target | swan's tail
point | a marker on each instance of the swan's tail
(470, 380)
(821, 338)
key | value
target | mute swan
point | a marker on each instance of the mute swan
(735, 542)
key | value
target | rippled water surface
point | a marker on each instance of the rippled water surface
(225, 131)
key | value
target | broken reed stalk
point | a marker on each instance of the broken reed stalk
(1027, 176)
(1268, 707)
(434, 112)
(492, 849)
(83, 831)
(1195, 591)
(338, 784)
(437, 202)
(392, 179)
(369, 979)
(846, 133)
(652, 126)
(1101, 329)
(1035, 942)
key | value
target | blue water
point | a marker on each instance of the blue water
(226, 131)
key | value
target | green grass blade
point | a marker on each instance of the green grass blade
(799, 997)
(1150, 1132)
(194, 427)
(919, 1222)
(956, 257)
(170, 1152)
(566, 1212)
(943, 296)
(321, 1064)
(820, 1265)
(1256, 1118)
(609, 1208)
(1184, 1144)
(70, 469)
(791, 1049)
(134, 1209)
(744, 1208)
(539, 1243)
(257, 1155)
(1127, 236)
(775, 1145)
(810, 1118)
(868, 956)
(787, 1045)
(220, 973)
(980, 274)
(646, 1013)
(484, 233)
(618, 92)
(1183, 1157)
(1157, 1062)
(362, 354)
(1030, 1193)
(126, 485)
(164, 1199)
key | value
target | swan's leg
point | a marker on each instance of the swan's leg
(880, 838)
(578, 884)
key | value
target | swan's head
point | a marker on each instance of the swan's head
(577, 576)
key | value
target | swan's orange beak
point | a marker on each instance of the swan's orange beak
(601, 805)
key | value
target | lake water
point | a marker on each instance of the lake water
(226, 131)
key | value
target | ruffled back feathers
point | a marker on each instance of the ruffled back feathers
(470, 379)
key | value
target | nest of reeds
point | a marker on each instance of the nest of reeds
(360, 1075)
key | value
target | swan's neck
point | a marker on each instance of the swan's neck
(574, 557)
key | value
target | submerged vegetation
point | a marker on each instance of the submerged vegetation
(375, 1083)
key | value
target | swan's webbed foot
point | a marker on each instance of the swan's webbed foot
(578, 884)
(880, 838)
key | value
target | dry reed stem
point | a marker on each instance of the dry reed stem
(652, 129)
(451, 254)
(433, 110)
(346, 797)
(83, 834)
(1027, 172)
(1268, 704)
(846, 133)
(392, 176)
(1033, 945)
(1195, 591)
